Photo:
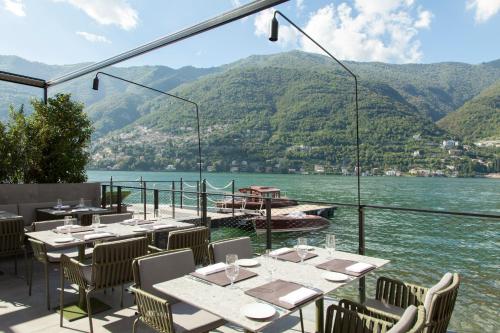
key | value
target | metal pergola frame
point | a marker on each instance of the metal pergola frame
(215, 22)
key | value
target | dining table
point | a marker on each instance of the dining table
(82, 213)
(110, 232)
(227, 302)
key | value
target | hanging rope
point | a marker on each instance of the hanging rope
(188, 185)
(219, 188)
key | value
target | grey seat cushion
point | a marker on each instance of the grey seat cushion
(164, 267)
(188, 318)
(54, 256)
(406, 321)
(385, 307)
(442, 284)
(114, 218)
(241, 246)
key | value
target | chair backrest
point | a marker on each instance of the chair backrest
(194, 238)
(48, 225)
(412, 321)
(11, 236)
(162, 266)
(342, 320)
(441, 307)
(240, 246)
(112, 261)
(114, 218)
(154, 311)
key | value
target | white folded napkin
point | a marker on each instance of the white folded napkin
(59, 212)
(130, 220)
(297, 296)
(61, 207)
(66, 227)
(75, 210)
(161, 226)
(99, 235)
(281, 251)
(220, 266)
(359, 267)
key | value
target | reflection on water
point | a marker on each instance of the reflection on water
(421, 247)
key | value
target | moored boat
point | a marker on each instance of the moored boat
(256, 199)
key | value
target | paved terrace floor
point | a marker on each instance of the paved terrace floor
(22, 313)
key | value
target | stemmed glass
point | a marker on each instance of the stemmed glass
(82, 203)
(270, 263)
(59, 204)
(96, 222)
(301, 248)
(330, 244)
(232, 268)
(68, 224)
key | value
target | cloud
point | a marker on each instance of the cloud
(485, 9)
(16, 7)
(92, 37)
(300, 5)
(236, 3)
(117, 12)
(287, 34)
(383, 30)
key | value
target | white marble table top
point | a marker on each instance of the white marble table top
(226, 302)
(119, 231)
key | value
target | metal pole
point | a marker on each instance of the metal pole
(119, 199)
(269, 242)
(145, 199)
(198, 198)
(204, 202)
(103, 196)
(361, 250)
(156, 198)
(182, 193)
(45, 95)
(142, 194)
(232, 189)
(111, 190)
(173, 199)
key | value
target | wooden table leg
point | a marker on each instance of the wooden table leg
(320, 320)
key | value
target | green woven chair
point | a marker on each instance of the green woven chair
(161, 312)
(12, 241)
(351, 317)
(111, 266)
(393, 296)
(47, 255)
(195, 239)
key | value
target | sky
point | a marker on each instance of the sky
(393, 31)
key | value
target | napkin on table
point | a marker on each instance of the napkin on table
(359, 267)
(297, 296)
(220, 266)
(99, 235)
(61, 207)
(281, 251)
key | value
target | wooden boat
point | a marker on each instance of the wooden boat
(255, 201)
(296, 221)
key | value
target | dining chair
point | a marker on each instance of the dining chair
(194, 238)
(48, 255)
(111, 266)
(241, 246)
(12, 241)
(161, 312)
(352, 317)
(115, 218)
(394, 296)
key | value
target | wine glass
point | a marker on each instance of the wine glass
(301, 248)
(232, 268)
(59, 204)
(330, 244)
(68, 224)
(96, 222)
(270, 263)
(82, 203)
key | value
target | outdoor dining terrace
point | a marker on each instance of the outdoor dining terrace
(142, 253)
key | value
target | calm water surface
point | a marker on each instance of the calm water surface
(421, 247)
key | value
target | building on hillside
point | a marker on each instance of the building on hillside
(448, 144)
(318, 168)
(234, 169)
(170, 167)
(417, 153)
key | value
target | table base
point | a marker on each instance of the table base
(74, 311)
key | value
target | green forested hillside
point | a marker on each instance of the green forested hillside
(279, 112)
(478, 118)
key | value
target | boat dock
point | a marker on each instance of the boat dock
(220, 217)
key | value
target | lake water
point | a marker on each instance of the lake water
(421, 247)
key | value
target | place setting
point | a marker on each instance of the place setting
(338, 269)
(224, 274)
(96, 233)
(300, 253)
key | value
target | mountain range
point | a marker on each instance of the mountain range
(284, 111)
